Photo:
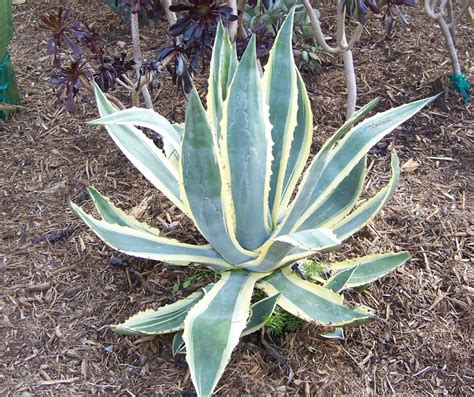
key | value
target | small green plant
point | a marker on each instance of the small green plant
(233, 170)
(186, 283)
(281, 322)
(272, 13)
(313, 269)
(308, 57)
(264, 18)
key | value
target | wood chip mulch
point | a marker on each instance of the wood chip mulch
(59, 288)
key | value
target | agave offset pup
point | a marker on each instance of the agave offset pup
(233, 170)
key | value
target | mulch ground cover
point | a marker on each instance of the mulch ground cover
(59, 288)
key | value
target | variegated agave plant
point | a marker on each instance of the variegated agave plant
(234, 169)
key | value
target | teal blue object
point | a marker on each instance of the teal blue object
(6, 26)
(8, 89)
(461, 84)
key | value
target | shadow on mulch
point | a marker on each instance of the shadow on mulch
(59, 290)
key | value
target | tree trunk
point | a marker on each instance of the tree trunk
(170, 15)
(450, 44)
(233, 25)
(138, 59)
(351, 84)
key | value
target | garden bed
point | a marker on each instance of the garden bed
(59, 289)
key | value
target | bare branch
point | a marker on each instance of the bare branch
(429, 9)
(124, 85)
(341, 46)
(170, 15)
(447, 28)
(232, 27)
(455, 20)
(450, 44)
(317, 29)
(138, 58)
(340, 23)
(350, 79)
(240, 28)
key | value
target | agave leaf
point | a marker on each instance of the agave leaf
(164, 320)
(276, 253)
(111, 214)
(308, 301)
(149, 246)
(348, 124)
(351, 149)
(202, 185)
(179, 128)
(338, 333)
(142, 153)
(221, 71)
(143, 118)
(368, 268)
(366, 212)
(340, 202)
(229, 64)
(171, 153)
(213, 327)
(339, 281)
(259, 314)
(232, 68)
(316, 168)
(246, 152)
(361, 216)
(301, 144)
(281, 92)
(365, 311)
(178, 346)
